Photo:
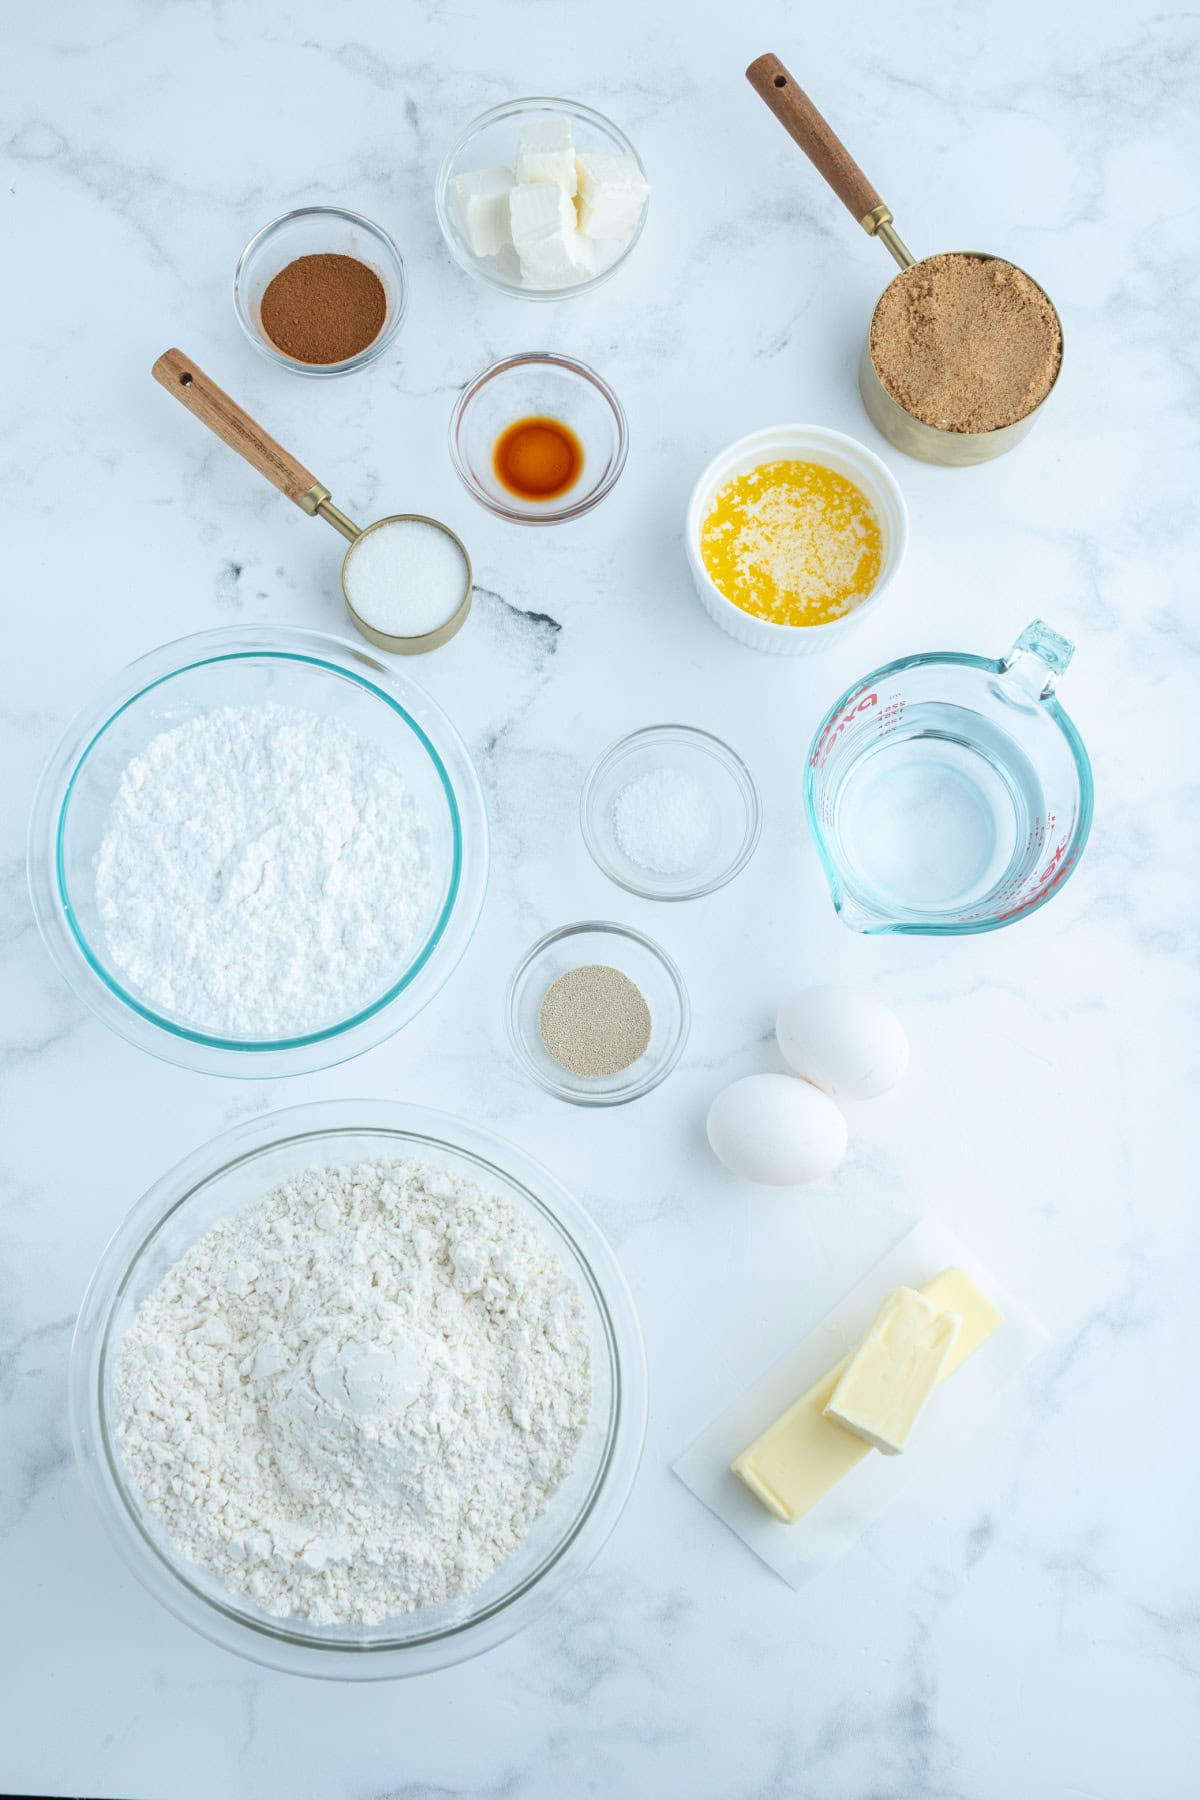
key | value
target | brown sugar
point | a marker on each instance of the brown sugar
(323, 309)
(966, 343)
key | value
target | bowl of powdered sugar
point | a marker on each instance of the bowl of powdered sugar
(258, 853)
(358, 1389)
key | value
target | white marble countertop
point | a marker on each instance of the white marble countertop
(1036, 1633)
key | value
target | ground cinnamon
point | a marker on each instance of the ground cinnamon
(323, 309)
(967, 343)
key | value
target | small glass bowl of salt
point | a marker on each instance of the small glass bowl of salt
(670, 813)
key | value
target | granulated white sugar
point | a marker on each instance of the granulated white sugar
(405, 577)
(663, 821)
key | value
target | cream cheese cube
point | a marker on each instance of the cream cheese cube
(479, 202)
(546, 237)
(546, 152)
(612, 195)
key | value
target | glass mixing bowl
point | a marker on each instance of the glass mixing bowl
(218, 1181)
(244, 666)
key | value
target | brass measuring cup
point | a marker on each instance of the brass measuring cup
(214, 408)
(825, 150)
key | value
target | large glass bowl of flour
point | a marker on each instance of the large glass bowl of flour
(214, 1184)
(348, 697)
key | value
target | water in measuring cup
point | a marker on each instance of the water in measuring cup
(939, 814)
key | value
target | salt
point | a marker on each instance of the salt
(405, 577)
(663, 820)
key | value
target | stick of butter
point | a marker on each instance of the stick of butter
(797, 1460)
(891, 1375)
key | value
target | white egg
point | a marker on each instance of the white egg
(774, 1129)
(846, 1043)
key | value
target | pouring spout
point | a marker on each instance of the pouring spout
(858, 917)
(1037, 661)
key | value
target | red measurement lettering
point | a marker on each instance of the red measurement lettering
(858, 703)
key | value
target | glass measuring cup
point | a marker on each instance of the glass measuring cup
(948, 793)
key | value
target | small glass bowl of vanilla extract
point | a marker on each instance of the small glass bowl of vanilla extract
(538, 438)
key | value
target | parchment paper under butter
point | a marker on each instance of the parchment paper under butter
(798, 1552)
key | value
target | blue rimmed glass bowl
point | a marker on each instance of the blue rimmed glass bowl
(240, 667)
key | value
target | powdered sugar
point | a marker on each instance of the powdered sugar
(265, 872)
(355, 1397)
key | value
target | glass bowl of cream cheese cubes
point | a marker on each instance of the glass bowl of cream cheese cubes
(541, 198)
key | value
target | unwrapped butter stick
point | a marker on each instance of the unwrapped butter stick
(891, 1375)
(803, 1455)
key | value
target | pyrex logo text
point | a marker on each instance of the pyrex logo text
(858, 704)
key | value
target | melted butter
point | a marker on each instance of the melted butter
(792, 543)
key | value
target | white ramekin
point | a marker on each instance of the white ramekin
(803, 443)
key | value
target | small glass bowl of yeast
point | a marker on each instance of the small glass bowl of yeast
(558, 398)
(599, 944)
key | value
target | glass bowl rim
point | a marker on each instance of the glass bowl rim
(520, 359)
(85, 973)
(494, 116)
(213, 1039)
(722, 753)
(377, 346)
(610, 928)
(595, 1266)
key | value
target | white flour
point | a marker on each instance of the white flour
(355, 1397)
(264, 872)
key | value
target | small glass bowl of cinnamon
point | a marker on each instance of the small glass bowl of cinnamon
(320, 290)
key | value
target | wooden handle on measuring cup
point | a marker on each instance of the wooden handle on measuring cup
(213, 407)
(819, 142)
